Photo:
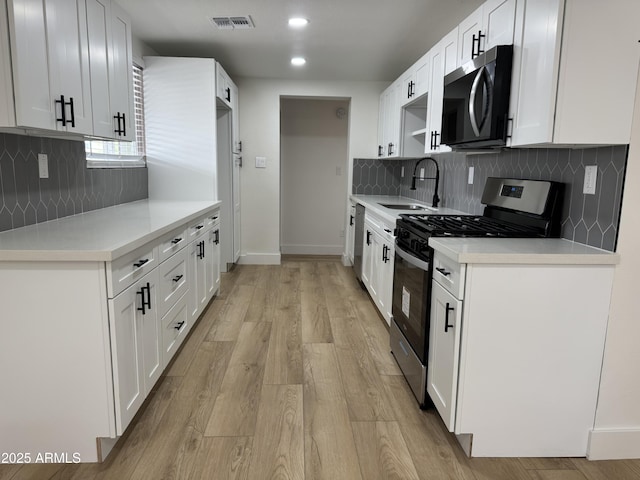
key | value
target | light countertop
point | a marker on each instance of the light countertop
(372, 202)
(99, 235)
(523, 251)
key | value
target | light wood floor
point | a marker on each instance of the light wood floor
(288, 375)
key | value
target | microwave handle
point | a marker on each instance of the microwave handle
(472, 101)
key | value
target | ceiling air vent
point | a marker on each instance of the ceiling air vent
(231, 23)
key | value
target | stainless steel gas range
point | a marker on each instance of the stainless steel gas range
(513, 208)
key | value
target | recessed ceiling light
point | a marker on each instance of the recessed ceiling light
(298, 22)
(298, 61)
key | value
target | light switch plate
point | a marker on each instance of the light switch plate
(261, 162)
(43, 165)
(590, 177)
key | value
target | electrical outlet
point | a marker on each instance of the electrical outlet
(341, 233)
(261, 162)
(43, 165)
(470, 179)
(590, 177)
(402, 172)
(421, 172)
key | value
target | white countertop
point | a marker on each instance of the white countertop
(99, 235)
(523, 251)
(372, 202)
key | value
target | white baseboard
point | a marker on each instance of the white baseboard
(259, 259)
(614, 444)
(312, 249)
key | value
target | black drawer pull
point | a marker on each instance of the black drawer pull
(176, 241)
(217, 239)
(141, 263)
(443, 271)
(198, 227)
(177, 278)
(179, 325)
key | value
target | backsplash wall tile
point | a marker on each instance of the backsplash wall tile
(587, 219)
(71, 188)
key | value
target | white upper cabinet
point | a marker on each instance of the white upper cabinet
(575, 72)
(50, 65)
(223, 86)
(443, 61)
(389, 120)
(121, 75)
(66, 67)
(490, 25)
(415, 81)
(110, 57)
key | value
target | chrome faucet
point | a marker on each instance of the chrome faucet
(436, 198)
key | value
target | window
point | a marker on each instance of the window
(114, 154)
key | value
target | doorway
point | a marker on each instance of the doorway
(314, 149)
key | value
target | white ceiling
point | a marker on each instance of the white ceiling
(346, 39)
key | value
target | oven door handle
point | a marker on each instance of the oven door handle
(411, 260)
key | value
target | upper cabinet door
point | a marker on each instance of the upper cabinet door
(66, 25)
(490, 25)
(421, 75)
(121, 74)
(223, 86)
(498, 20)
(467, 36)
(99, 28)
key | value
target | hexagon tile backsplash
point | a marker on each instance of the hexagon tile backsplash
(588, 219)
(71, 188)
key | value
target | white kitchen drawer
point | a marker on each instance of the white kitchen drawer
(174, 329)
(212, 219)
(198, 227)
(173, 282)
(449, 274)
(125, 270)
(172, 243)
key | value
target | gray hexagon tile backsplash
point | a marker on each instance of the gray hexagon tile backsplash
(71, 188)
(588, 219)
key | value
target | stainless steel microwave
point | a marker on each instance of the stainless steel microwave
(476, 101)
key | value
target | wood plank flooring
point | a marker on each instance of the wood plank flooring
(288, 376)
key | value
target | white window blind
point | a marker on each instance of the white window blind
(114, 154)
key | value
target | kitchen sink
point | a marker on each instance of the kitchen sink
(406, 206)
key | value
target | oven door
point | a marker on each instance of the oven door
(411, 299)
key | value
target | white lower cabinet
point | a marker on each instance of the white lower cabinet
(377, 263)
(135, 338)
(515, 354)
(444, 350)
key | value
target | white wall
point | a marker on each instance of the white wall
(314, 164)
(260, 135)
(617, 426)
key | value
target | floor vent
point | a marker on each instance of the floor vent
(233, 23)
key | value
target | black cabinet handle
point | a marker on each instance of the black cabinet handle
(443, 271)
(63, 113)
(199, 227)
(217, 239)
(201, 250)
(145, 304)
(385, 251)
(413, 88)
(476, 41)
(368, 237)
(240, 146)
(350, 220)
(73, 112)
(228, 90)
(409, 90)
(446, 318)
(141, 263)
(380, 150)
(179, 325)
(122, 127)
(177, 278)
(175, 241)
(436, 144)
